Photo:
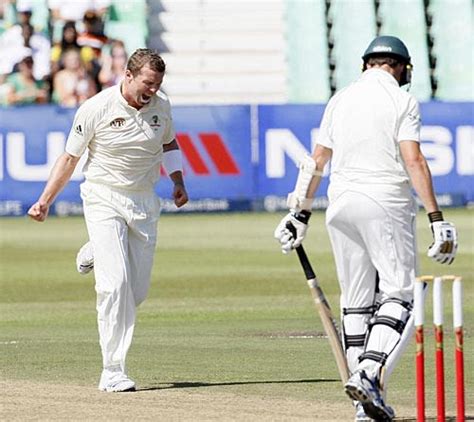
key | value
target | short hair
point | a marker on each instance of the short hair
(384, 59)
(142, 57)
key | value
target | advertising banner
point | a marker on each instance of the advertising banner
(215, 142)
(288, 131)
(235, 157)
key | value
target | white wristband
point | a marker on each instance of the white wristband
(173, 161)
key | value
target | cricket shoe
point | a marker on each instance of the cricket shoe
(85, 259)
(360, 415)
(115, 382)
(361, 388)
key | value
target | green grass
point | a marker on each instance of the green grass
(220, 312)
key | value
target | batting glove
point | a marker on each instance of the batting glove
(288, 241)
(445, 239)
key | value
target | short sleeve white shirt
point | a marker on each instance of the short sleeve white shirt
(363, 125)
(125, 145)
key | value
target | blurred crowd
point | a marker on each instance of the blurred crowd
(63, 58)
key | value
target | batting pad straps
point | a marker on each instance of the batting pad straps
(375, 356)
(354, 340)
(391, 322)
(354, 326)
(369, 310)
(173, 161)
(390, 314)
(297, 199)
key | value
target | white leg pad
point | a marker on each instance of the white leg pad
(355, 325)
(388, 336)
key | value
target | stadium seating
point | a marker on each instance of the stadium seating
(351, 37)
(127, 21)
(300, 51)
(221, 52)
(307, 52)
(452, 31)
(405, 19)
(353, 27)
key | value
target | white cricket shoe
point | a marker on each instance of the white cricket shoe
(115, 381)
(85, 259)
(361, 388)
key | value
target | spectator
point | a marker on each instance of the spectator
(114, 63)
(38, 14)
(21, 41)
(14, 12)
(24, 12)
(23, 88)
(41, 50)
(92, 34)
(69, 41)
(93, 37)
(72, 85)
(73, 10)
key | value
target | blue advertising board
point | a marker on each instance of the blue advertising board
(288, 131)
(214, 140)
(235, 157)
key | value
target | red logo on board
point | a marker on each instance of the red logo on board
(216, 153)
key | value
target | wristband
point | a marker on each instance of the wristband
(435, 216)
(302, 216)
(173, 161)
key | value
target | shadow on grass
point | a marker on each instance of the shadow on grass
(197, 384)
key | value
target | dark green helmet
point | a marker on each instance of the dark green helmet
(387, 45)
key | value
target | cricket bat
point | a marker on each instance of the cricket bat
(325, 313)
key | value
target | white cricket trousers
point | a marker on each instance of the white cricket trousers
(122, 227)
(369, 235)
(372, 235)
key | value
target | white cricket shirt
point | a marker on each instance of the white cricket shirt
(363, 125)
(125, 145)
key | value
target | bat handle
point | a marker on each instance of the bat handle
(307, 268)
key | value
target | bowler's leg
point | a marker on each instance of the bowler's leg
(108, 234)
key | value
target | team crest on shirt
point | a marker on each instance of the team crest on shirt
(155, 123)
(414, 117)
(117, 123)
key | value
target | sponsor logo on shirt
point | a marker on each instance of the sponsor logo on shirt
(78, 130)
(117, 123)
(155, 122)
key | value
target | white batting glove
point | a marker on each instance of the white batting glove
(445, 242)
(284, 235)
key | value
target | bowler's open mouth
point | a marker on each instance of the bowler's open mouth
(145, 99)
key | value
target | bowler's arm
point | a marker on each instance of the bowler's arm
(171, 159)
(58, 179)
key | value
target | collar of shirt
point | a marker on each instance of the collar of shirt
(379, 74)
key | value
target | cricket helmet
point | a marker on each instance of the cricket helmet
(387, 45)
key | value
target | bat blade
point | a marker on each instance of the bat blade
(330, 328)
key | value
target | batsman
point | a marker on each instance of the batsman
(370, 131)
